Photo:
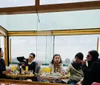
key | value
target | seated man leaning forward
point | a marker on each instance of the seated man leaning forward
(75, 69)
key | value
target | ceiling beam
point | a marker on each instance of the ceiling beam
(51, 7)
(55, 32)
(70, 6)
(3, 31)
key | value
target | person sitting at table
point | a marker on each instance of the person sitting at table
(75, 69)
(3, 70)
(91, 68)
(56, 64)
(56, 67)
(32, 65)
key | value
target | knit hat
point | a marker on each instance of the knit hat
(94, 54)
(79, 55)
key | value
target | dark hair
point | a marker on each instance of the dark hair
(52, 62)
(33, 54)
(79, 55)
(0, 49)
(94, 54)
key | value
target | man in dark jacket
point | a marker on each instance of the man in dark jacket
(2, 64)
(91, 68)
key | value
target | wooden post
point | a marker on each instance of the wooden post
(98, 44)
(6, 50)
(10, 51)
(37, 3)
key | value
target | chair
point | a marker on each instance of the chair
(37, 68)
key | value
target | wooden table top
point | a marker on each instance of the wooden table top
(20, 82)
(20, 75)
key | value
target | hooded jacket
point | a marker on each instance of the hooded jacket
(92, 71)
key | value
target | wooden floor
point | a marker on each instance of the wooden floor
(20, 82)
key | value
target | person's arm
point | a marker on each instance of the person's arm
(51, 68)
(68, 69)
(2, 66)
(66, 74)
(80, 82)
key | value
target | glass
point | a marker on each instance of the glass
(31, 71)
(45, 2)
(90, 18)
(45, 70)
(16, 3)
(74, 44)
(26, 68)
(42, 46)
(48, 70)
(13, 68)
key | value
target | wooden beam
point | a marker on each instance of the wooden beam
(3, 31)
(1, 34)
(77, 31)
(29, 33)
(55, 32)
(37, 2)
(70, 6)
(98, 44)
(18, 10)
(21, 33)
(10, 50)
(52, 7)
(6, 50)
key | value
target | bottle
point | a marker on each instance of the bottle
(20, 70)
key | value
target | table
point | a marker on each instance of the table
(52, 78)
(19, 82)
(20, 76)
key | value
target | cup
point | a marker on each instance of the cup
(31, 71)
(26, 68)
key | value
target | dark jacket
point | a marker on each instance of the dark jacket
(33, 66)
(91, 73)
(2, 68)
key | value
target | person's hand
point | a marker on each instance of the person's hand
(63, 73)
(7, 71)
(22, 64)
(83, 62)
(51, 78)
(79, 83)
(42, 77)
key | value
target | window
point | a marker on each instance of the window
(40, 45)
(68, 46)
(42, 2)
(16, 3)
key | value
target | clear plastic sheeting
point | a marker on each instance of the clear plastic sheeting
(16, 3)
(52, 21)
(44, 2)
